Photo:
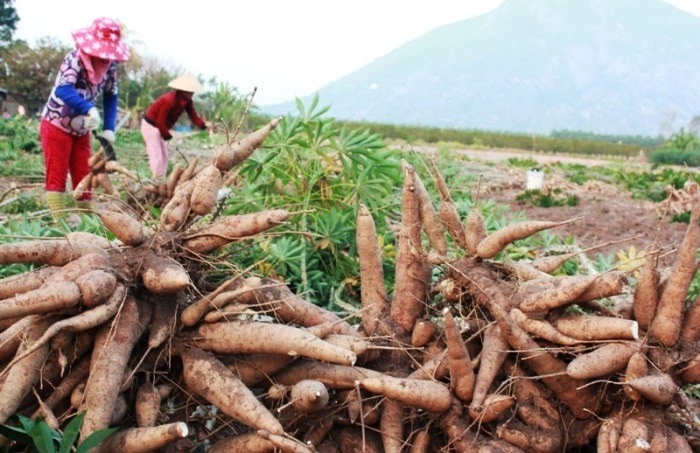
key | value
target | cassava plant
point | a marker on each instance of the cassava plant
(314, 167)
(26, 433)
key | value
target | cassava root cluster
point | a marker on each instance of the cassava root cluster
(487, 357)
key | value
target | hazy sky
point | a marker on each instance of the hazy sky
(285, 48)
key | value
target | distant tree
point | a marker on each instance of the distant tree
(28, 73)
(644, 141)
(8, 21)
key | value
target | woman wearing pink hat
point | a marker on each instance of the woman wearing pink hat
(162, 115)
(70, 113)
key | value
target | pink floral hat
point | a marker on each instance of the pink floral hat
(103, 40)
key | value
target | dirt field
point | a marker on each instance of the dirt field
(605, 214)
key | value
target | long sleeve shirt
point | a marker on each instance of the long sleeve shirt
(164, 112)
(73, 95)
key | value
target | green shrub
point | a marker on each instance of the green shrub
(674, 156)
(548, 198)
(19, 148)
(522, 163)
(683, 217)
(577, 173)
(572, 200)
(19, 133)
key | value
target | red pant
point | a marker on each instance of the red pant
(63, 153)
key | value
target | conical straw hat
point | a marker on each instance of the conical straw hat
(186, 82)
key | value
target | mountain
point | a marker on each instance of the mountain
(603, 66)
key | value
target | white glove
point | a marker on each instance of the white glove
(92, 119)
(223, 194)
(108, 135)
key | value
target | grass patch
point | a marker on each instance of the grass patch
(548, 198)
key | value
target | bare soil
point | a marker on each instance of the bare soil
(603, 214)
(606, 217)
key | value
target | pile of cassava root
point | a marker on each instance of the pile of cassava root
(469, 353)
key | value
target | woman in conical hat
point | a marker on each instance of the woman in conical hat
(71, 113)
(162, 115)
